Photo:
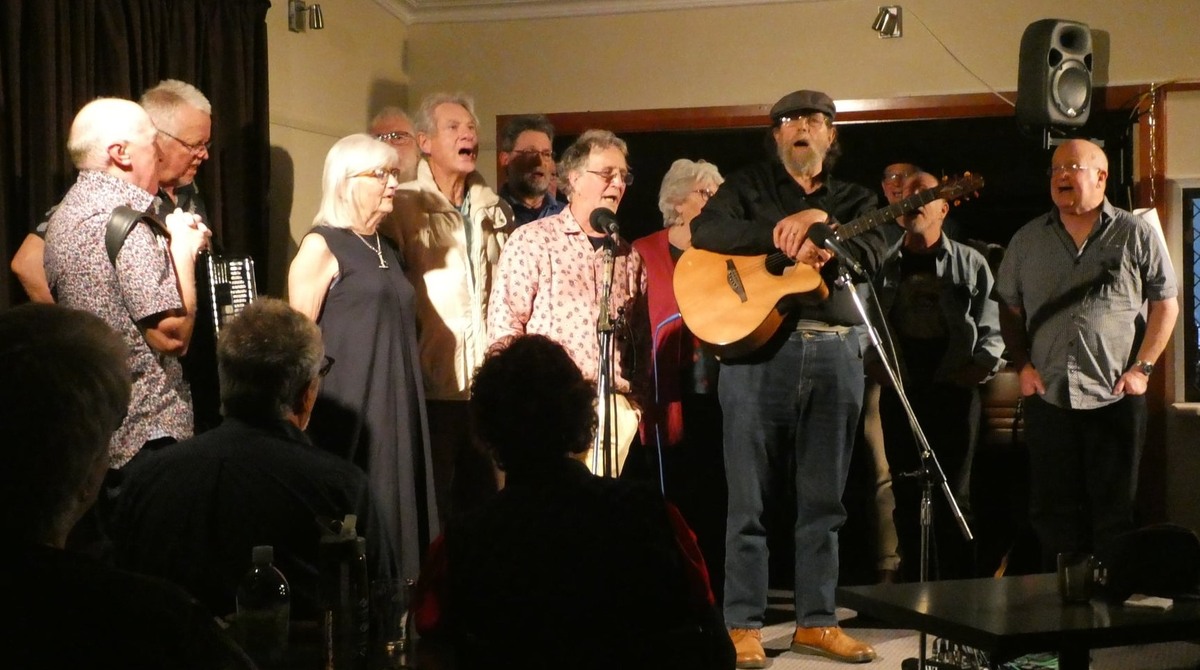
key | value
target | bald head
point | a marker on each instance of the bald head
(115, 136)
(1078, 177)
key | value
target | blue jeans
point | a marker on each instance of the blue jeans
(789, 421)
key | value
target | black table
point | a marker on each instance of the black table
(1014, 616)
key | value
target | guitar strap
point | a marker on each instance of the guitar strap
(121, 223)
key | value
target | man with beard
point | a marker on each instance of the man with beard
(791, 409)
(451, 229)
(936, 296)
(1072, 287)
(526, 152)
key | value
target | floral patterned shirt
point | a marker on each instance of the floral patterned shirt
(142, 284)
(549, 282)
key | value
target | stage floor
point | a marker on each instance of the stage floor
(893, 646)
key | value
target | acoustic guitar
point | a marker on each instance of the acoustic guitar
(733, 302)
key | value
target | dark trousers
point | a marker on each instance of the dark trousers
(464, 476)
(949, 417)
(790, 422)
(1083, 472)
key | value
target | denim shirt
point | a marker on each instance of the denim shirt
(972, 316)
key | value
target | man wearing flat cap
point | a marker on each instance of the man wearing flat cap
(791, 408)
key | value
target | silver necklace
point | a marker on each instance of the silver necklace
(378, 248)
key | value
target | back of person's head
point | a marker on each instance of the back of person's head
(165, 98)
(64, 389)
(267, 357)
(531, 404)
(102, 123)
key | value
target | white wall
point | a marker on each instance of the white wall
(325, 84)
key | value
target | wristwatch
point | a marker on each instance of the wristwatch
(1144, 367)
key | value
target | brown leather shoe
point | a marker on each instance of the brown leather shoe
(747, 642)
(831, 642)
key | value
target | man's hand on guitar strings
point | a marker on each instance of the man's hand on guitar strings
(790, 233)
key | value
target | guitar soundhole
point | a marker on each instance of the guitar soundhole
(734, 279)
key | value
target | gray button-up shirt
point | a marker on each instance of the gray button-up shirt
(1083, 306)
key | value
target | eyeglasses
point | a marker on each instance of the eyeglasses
(325, 366)
(896, 176)
(610, 175)
(1068, 169)
(194, 148)
(545, 154)
(399, 137)
(813, 120)
(705, 193)
(381, 174)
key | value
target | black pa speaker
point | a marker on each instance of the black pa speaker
(1054, 83)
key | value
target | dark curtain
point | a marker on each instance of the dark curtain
(56, 55)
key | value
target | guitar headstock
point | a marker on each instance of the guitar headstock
(960, 189)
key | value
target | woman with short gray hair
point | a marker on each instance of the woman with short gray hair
(683, 410)
(685, 189)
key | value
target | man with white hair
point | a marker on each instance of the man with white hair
(148, 294)
(452, 227)
(183, 115)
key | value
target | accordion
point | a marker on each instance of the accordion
(230, 287)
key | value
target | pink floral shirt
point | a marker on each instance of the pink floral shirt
(548, 282)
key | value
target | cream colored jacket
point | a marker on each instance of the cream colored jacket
(452, 273)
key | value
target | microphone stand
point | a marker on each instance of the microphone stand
(931, 469)
(602, 445)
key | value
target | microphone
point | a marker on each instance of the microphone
(827, 238)
(604, 220)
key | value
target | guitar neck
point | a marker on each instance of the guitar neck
(881, 216)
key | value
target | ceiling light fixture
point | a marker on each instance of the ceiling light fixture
(887, 21)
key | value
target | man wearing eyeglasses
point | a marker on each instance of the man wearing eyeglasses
(183, 117)
(791, 409)
(551, 278)
(392, 125)
(527, 155)
(149, 293)
(1073, 284)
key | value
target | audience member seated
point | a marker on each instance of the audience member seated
(193, 513)
(66, 388)
(563, 568)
